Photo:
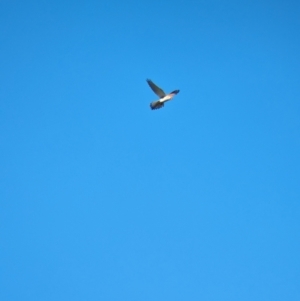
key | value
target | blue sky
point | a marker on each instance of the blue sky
(102, 198)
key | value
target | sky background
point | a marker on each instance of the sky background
(102, 198)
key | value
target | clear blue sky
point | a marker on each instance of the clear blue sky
(102, 198)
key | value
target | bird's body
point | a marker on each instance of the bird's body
(163, 96)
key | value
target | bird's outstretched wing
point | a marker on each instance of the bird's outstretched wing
(158, 91)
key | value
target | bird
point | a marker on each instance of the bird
(163, 97)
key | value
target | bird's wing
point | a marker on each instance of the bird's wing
(158, 91)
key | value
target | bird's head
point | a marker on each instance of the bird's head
(175, 92)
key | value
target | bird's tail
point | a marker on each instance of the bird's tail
(156, 105)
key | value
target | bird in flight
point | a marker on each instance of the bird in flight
(163, 97)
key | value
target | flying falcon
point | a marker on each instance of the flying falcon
(163, 97)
